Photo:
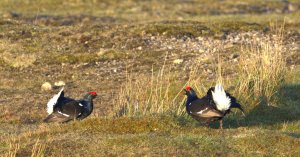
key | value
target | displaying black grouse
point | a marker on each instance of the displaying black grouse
(212, 107)
(64, 109)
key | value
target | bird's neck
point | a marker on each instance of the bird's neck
(88, 101)
(190, 99)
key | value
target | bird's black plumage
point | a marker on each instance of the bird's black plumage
(201, 109)
(204, 109)
(65, 109)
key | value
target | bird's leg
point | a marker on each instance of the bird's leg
(221, 123)
(207, 124)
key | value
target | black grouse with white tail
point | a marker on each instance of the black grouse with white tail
(212, 107)
(64, 109)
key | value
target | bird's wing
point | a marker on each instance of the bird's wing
(209, 112)
(198, 105)
(57, 117)
(72, 109)
(202, 108)
(53, 101)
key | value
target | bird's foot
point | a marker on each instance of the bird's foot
(221, 124)
(207, 124)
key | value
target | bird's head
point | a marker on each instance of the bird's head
(189, 91)
(191, 95)
(93, 94)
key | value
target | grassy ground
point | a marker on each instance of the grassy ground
(148, 50)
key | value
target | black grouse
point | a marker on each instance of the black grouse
(212, 107)
(64, 109)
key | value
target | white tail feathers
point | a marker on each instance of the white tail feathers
(221, 100)
(52, 102)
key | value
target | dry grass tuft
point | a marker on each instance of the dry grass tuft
(262, 69)
(19, 61)
(38, 149)
(143, 94)
(13, 55)
(13, 149)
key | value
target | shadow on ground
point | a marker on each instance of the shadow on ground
(264, 115)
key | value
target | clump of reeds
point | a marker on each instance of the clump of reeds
(145, 94)
(262, 68)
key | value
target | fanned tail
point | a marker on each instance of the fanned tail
(220, 98)
(53, 101)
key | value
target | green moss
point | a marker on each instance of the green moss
(75, 58)
(177, 29)
(194, 29)
(231, 26)
(128, 125)
(113, 55)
